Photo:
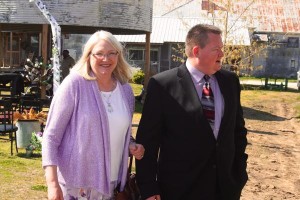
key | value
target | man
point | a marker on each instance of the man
(190, 155)
(67, 63)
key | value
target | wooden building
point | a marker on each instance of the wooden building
(24, 30)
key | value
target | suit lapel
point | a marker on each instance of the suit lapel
(188, 97)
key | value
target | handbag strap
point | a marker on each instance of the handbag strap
(130, 164)
(117, 189)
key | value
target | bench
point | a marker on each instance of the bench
(272, 83)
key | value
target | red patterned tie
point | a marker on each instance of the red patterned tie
(207, 101)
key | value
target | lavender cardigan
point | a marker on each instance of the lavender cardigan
(76, 137)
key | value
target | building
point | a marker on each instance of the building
(24, 30)
(171, 23)
(268, 31)
(274, 27)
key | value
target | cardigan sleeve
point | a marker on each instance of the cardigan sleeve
(59, 115)
(130, 98)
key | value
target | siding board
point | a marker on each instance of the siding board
(118, 14)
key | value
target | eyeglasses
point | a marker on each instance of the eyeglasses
(110, 55)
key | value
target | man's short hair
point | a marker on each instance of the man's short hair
(198, 36)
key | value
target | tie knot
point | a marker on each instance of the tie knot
(206, 78)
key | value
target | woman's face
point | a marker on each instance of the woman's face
(103, 59)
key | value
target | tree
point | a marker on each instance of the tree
(239, 48)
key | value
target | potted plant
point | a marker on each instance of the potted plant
(29, 150)
(28, 122)
(35, 143)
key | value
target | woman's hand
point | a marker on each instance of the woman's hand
(55, 193)
(54, 190)
(137, 150)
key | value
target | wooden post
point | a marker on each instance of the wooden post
(1, 49)
(44, 55)
(147, 62)
(286, 83)
(266, 82)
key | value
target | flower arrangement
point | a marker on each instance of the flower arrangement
(31, 115)
(34, 70)
(38, 74)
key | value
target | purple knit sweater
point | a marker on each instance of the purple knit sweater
(76, 137)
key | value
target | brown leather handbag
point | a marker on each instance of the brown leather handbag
(131, 190)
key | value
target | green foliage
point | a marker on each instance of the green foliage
(138, 107)
(137, 88)
(35, 143)
(39, 188)
(138, 77)
(178, 53)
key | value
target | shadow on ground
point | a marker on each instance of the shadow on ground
(250, 113)
(32, 156)
(261, 132)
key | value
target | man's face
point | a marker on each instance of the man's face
(65, 54)
(209, 57)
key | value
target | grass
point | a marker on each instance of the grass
(292, 97)
(20, 177)
(271, 79)
(137, 88)
(23, 178)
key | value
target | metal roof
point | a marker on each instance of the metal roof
(266, 15)
(173, 30)
(278, 16)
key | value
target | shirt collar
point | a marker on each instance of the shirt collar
(197, 75)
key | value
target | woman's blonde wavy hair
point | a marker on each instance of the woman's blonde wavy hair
(122, 70)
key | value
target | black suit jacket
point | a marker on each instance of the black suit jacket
(183, 160)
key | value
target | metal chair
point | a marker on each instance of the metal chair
(6, 89)
(6, 123)
(27, 102)
(15, 100)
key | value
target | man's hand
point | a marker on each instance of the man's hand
(137, 150)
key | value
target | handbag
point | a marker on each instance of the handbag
(131, 190)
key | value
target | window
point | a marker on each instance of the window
(139, 54)
(135, 54)
(34, 44)
(12, 45)
(293, 42)
(154, 55)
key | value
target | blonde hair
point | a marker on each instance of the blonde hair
(122, 70)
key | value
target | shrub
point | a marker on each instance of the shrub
(35, 142)
(138, 77)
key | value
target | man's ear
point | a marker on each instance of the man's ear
(195, 51)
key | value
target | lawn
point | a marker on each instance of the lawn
(271, 79)
(23, 178)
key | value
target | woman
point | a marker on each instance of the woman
(86, 139)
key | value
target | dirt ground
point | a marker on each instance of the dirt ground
(273, 149)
